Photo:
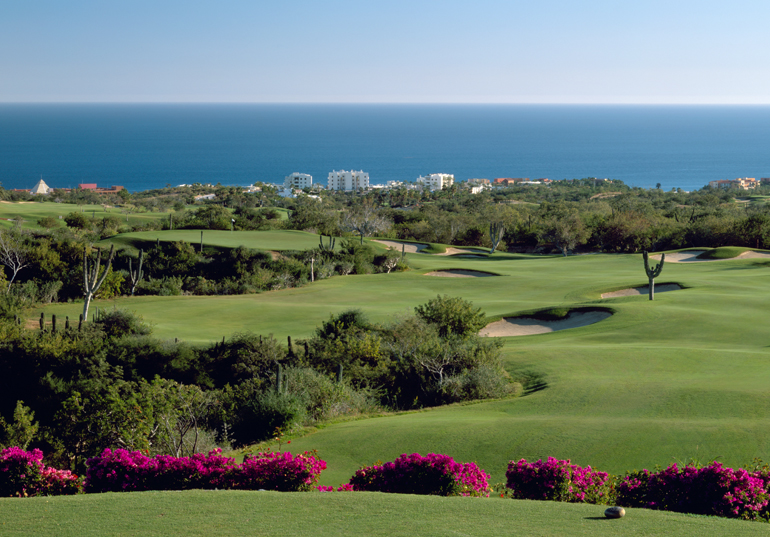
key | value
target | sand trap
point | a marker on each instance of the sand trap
(413, 248)
(644, 290)
(459, 274)
(691, 256)
(516, 326)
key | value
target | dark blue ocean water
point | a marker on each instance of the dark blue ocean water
(148, 146)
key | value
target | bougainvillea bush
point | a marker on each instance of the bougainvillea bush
(279, 471)
(414, 474)
(22, 473)
(121, 470)
(712, 490)
(558, 480)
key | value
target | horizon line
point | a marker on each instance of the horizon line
(408, 103)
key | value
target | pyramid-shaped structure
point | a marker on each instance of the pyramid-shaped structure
(40, 188)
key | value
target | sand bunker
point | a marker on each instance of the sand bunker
(520, 326)
(691, 256)
(644, 290)
(453, 273)
(413, 248)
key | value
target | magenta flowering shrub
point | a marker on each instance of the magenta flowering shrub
(712, 490)
(279, 471)
(22, 473)
(557, 480)
(121, 470)
(414, 474)
(346, 487)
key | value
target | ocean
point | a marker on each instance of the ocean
(146, 146)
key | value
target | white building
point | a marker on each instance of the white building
(298, 180)
(352, 180)
(437, 181)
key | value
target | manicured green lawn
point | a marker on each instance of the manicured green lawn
(238, 513)
(684, 376)
(31, 212)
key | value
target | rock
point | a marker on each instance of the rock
(614, 512)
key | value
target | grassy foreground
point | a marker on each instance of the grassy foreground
(237, 513)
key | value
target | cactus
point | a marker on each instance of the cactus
(653, 273)
(42, 321)
(329, 247)
(136, 275)
(91, 279)
(496, 232)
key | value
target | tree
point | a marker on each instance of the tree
(366, 221)
(452, 315)
(13, 253)
(565, 233)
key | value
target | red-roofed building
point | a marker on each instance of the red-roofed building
(92, 186)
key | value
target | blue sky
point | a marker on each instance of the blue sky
(416, 51)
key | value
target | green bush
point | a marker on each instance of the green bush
(258, 418)
(116, 323)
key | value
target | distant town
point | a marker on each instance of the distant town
(350, 181)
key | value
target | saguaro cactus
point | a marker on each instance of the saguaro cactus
(327, 247)
(91, 279)
(136, 275)
(496, 232)
(653, 273)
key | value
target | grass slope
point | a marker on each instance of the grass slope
(683, 376)
(237, 513)
(31, 212)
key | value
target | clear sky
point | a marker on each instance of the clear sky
(403, 51)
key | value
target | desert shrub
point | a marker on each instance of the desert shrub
(452, 315)
(557, 480)
(166, 286)
(118, 323)
(324, 398)
(48, 222)
(258, 418)
(433, 474)
(482, 382)
(77, 220)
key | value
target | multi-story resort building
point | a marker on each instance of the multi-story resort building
(437, 181)
(352, 180)
(297, 180)
(745, 183)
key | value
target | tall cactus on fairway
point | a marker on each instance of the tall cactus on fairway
(136, 275)
(653, 273)
(496, 232)
(327, 247)
(91, 279)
